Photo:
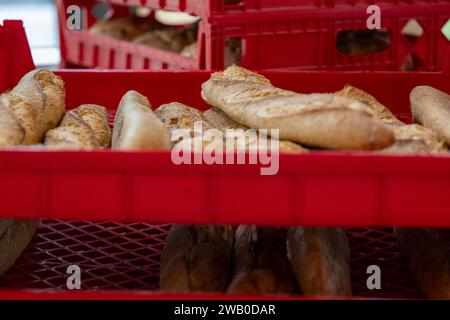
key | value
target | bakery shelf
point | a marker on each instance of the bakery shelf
(121, 261)
(274, 34)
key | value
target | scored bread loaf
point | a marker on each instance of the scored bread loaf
(380, 110)
(411, 138)
(318, 120)
(37, 103)
(85, 127)
(196, 258)
(320, 260)
(431, 108)
(260, 264)
(219, 120)
(414, 138)
(136, 127)
(11, 131)
(15, 235)
(428, 256)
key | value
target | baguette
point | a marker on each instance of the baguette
(428, 257)
(14, 238)
(317, 120)
(415, 139)
(260, 264)
(196, 258)
(45, 91)
(36, 105)
(11, 131)
(382, 112)
(85, 127)
(219, 120)
(431, 108)
(320, 260)
(136, 127)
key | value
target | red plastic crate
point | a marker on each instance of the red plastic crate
(275, 34)
(15, 54)
(362, 189)
(123, 259)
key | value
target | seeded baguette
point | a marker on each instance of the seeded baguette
(317, 120)
(431, 108)
(320, 260)
(136, 127)
(196, 258)
(260, 264)
(428, 257)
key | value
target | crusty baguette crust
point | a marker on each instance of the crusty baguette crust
(415, 138)
(318, 120)
(382, 112)
(11, 131)
(96, 118)
(431, 108)
(320, 260)
(176, 115)
(136, 127)
(13, 242)
(260, 264)
(196, 258)
(45, 91)
(427, 252)
(81, 128)
(219, 120)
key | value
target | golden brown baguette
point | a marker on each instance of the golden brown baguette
(318, 120)
(37, 102)
(196, 258)
(96, 117)
(14, 238)
(320, 260)
(136, 127)
(431, 108)
(11, 131)
(428, 256)
(176, 116)
(414, 138)
(219, 120)
(382, 112)
(44, 90)
(85, 127)
(123, 28)
(260, 264)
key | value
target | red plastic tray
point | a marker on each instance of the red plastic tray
(123, 259)
(319, 188)
(275, 34)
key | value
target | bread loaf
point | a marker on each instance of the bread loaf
(196, 258)
(123, 28)
(260, 264)
(136, 127)
(415, 139)
(33, 107)
(320, 260)
(219, 120)
(85, 127)
(428, 257)
(431, 108)
(14, 238)
(382, 112)
(318, 120)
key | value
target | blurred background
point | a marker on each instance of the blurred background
(41, 25)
